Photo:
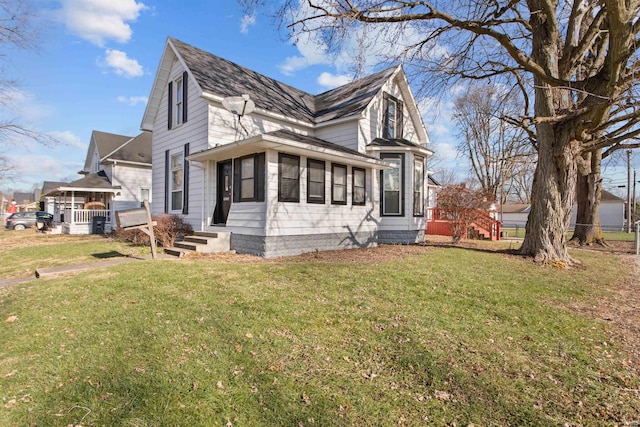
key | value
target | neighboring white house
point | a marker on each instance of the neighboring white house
(117, 176)
(611, 213)
(346, 168)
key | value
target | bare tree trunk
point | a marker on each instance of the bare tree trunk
(588, 230)
(554, 187)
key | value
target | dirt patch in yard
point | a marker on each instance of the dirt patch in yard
(621, 308)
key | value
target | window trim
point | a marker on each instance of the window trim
(281, 197)
(172, 190)
(400, 156)
(179, 101)
(418, 160)
(141, 191)
(310, 198)
(242, 179)
(398, 124)
(258, 178)
(353, 186)
(335, 166)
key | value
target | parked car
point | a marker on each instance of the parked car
(22, 220)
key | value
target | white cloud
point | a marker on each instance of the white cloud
(246, 22)
(331, 81)
(100, 20)
(312, 52)
(33, 170)
(444, 150)
(121, 64)
(133, 100)
(68, 138)
(437, 129)
(363, 48)
(23, 106)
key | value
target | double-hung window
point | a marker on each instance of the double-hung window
(418, 186)
(179, 100)
(315, 181)
(247, 178)
(177, 169)
(392, 124)
(358, 194)
(392, 187)
(177, 91)
(288, 178)
(338, 184)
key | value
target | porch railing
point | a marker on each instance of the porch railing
(85, 216)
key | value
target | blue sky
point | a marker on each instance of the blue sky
(97, 60)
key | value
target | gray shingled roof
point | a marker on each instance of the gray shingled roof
(93, 181)
(393, 142)
(107, 142)
(137, 150)
(293, 136)
(48, 186)
(351, 98)
(224, 78)
(610, 197)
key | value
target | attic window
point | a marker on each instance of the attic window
(392, 123)
(179, 111)
(177, 92)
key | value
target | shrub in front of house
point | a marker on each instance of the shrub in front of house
(169, 228)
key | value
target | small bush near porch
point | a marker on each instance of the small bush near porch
(412, 337)
(169, 229)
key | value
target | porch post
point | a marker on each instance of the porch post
(73, 204)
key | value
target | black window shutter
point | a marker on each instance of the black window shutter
(185, 181)
(169, 106)
(236, 180)
(260, 176)
(167, 176)
(399, 123)
(185, 91)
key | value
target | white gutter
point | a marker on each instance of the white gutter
(262, 142)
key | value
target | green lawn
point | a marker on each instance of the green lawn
(450, 336)
(608, 235)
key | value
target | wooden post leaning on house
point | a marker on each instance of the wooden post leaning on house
(141, 219)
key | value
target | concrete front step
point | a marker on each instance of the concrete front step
(202, 242)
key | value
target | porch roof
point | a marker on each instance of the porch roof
(395, 144)
(293, 143)
(92, 183)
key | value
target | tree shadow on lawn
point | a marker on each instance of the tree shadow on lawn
(107, 255)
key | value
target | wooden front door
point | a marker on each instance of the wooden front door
(223, 197)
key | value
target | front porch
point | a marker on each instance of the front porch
(85, 206)
(85, 221)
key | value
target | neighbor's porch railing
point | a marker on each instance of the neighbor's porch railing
(85, 216)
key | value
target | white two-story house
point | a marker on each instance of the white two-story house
(284, 171)
(116, 176)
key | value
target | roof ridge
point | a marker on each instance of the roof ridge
(232, 79)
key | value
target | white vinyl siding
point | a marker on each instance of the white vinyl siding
(287, 219)
(132, 180)
(194, 132)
